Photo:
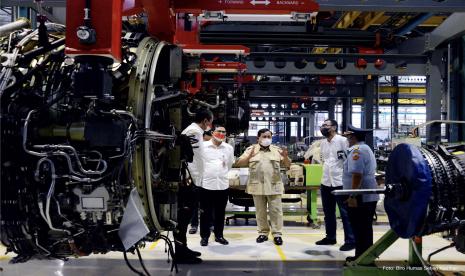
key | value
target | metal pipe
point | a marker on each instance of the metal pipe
(74, 152)
(121, 112)
(41, 247)
(25, 127)
(80, 179)
(19, 24)
(359, 191)
(10, 63)
(192, 114)
(57, 152)
(42, 50)
(49, 194)
(413, 23)
(207, 105)
(42, 154)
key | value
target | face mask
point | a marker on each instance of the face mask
(219, 137)
(265, 142)
(325, 132)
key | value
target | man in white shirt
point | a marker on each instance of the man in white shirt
(187, 197)
(196, 131)
(207, 136)
(333, 153)
(219, 158)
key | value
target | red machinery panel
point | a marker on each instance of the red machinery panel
(370, 51)
(327, 80)
(246, 6)
(105, 19)
(222, 66)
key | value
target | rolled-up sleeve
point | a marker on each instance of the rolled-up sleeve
(246, 153)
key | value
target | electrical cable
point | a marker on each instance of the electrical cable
(130, 266)
(141, 261)
(174, 264)
(425, 265)
(439, 250)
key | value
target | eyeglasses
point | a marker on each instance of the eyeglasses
(220, 131)
(325, 125)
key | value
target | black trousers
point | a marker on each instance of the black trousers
(361, 220)
(329, 209)
(195, 212)
(212, 206)
(187, 198)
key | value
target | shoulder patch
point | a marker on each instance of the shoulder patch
(355, 157)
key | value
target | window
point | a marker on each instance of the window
(320, 117)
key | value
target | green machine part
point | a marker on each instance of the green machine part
(365, 266)
(313, 175)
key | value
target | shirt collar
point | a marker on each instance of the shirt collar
(210, 144)
(358, 144)
(265, 149)
(335, 137)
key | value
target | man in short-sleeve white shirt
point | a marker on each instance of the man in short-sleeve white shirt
(195, 131)
(218, 160)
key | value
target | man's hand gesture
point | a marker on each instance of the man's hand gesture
(252, 153)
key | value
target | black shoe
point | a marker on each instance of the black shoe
(351, 259)
(187, 260)
(182, 251)
(347, 247)
(222, 240)
(193, 253)
(278, 240)
(262, 238)
(204, 242)
(325, 241)
(193, 230)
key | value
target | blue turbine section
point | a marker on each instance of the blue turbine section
(407, 212)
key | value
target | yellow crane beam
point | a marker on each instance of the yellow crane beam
(401, 101)
(433, 21)
(347, 20)
(368, 18)
(403, 90)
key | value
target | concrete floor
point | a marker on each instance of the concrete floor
(298, 256)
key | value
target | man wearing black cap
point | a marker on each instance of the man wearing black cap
(359, 173)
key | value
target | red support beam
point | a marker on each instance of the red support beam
(187, 37)
(162, 13)
(131, 7)
(246, 6)
(105, 19)
(161, 19)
